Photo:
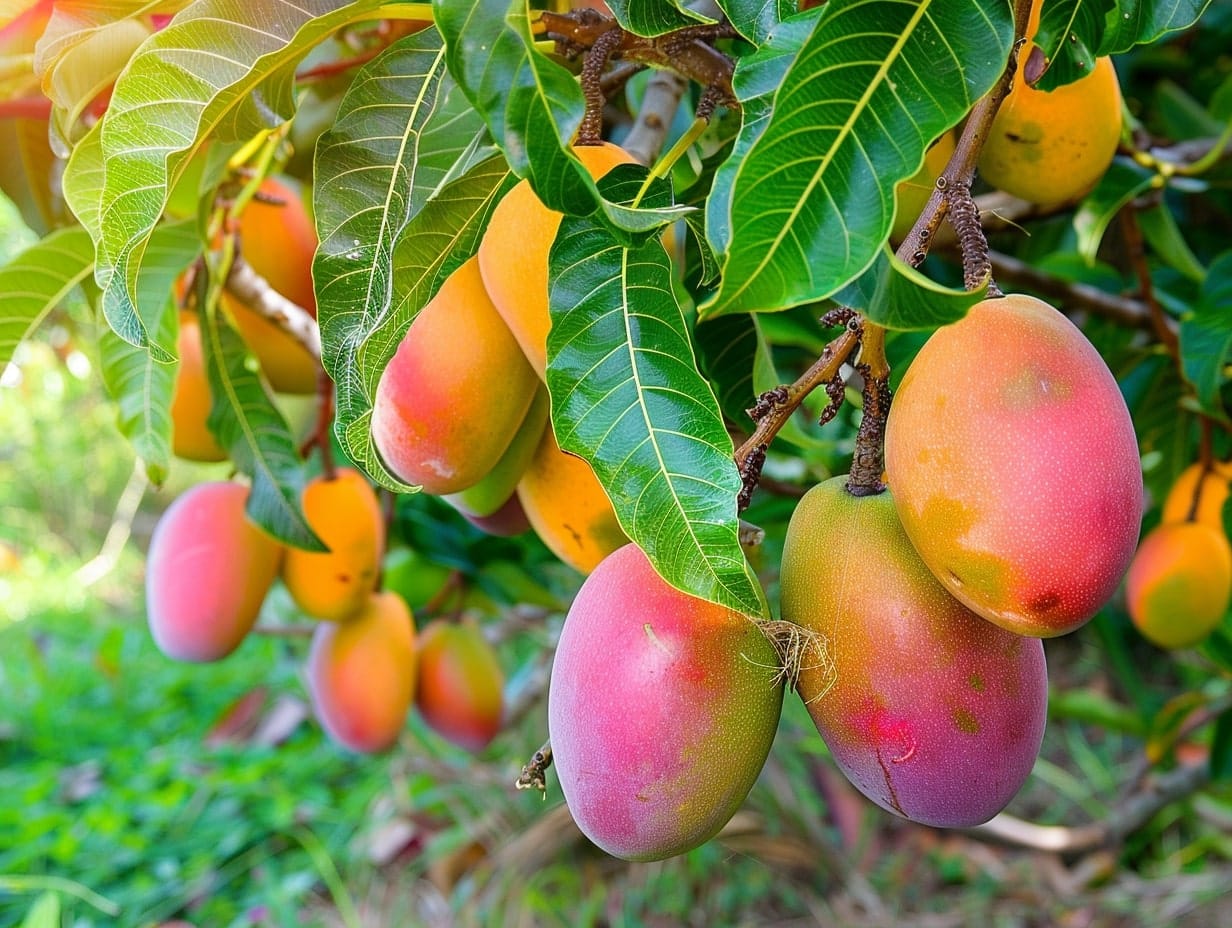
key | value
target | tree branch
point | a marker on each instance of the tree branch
(255, 292)
(1130, 816)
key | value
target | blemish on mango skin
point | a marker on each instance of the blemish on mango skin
(964, 721)
(976, 682)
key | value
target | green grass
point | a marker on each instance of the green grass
(106, 779)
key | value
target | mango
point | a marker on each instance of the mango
(495, 489)
(661, 710)
(460, 692)
(1051, 147)
(207, 572)
(361, 674)
(191, 438)
(931, 712)
(513, 255)
(346, 515)
(568, 508)
(1180, 583)
(506, 522)
(1201, 492)
(278, 240)
(1015, 467)
(453, 396)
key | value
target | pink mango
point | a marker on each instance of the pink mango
(933, 713)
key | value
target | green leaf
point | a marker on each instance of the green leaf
(727, 349)
(1144, 22)
(756, 80)
(627, 396)
(220, 67)
(433, 244)
(1160, 230)
(756, 19)
(141, 387)
(1206, 335)
(520, 92)
(654, 17)
(895, 295)
(83, 181)
(35, 282)
(813, 198)
(246, 422)
(1221, 749)
(1068, 34)
(1122, 182)
(402, 129)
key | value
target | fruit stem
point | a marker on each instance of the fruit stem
(1206, 459)
(533, 775)
(960, 170)
(325, 417)
(774, 407)
(664, 165)
(868, 461)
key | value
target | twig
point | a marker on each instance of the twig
(775, 407)
(659, 104)
(1123, 310)
(1136, 249)
(1130, 816)
(255, 292)
(118, 533)
(534, 773)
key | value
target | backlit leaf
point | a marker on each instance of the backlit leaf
(37, 280)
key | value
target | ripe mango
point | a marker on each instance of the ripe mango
(1015, 467)
(933, 713)
(346, 515)
(361, 674)
(1180, 583)
(568, 508)
(661, 710)
(207, 572)
(1051, 147)
(460, 692)
(513, 255)
(191, 439)
(453, 396)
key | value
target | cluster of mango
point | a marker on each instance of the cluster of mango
(210, 568)
(913, 616)
(462, 409)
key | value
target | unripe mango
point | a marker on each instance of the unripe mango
(661, 710)
(1180, 583)
(1200, 491)
(191, 439)
(460, 692)
(933, 713)
(1015, 467)
(453, 396)
(1051, 147)
(513, 254)
(278, 240)
(346, 515)
(568, 508)
(361, 674)
(207, 572)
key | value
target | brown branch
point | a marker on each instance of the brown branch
(255, 292)
(1123, 310)
(960, 170)
(1131, 815)
(1136, 249)
(534, 772)
(775, 407)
